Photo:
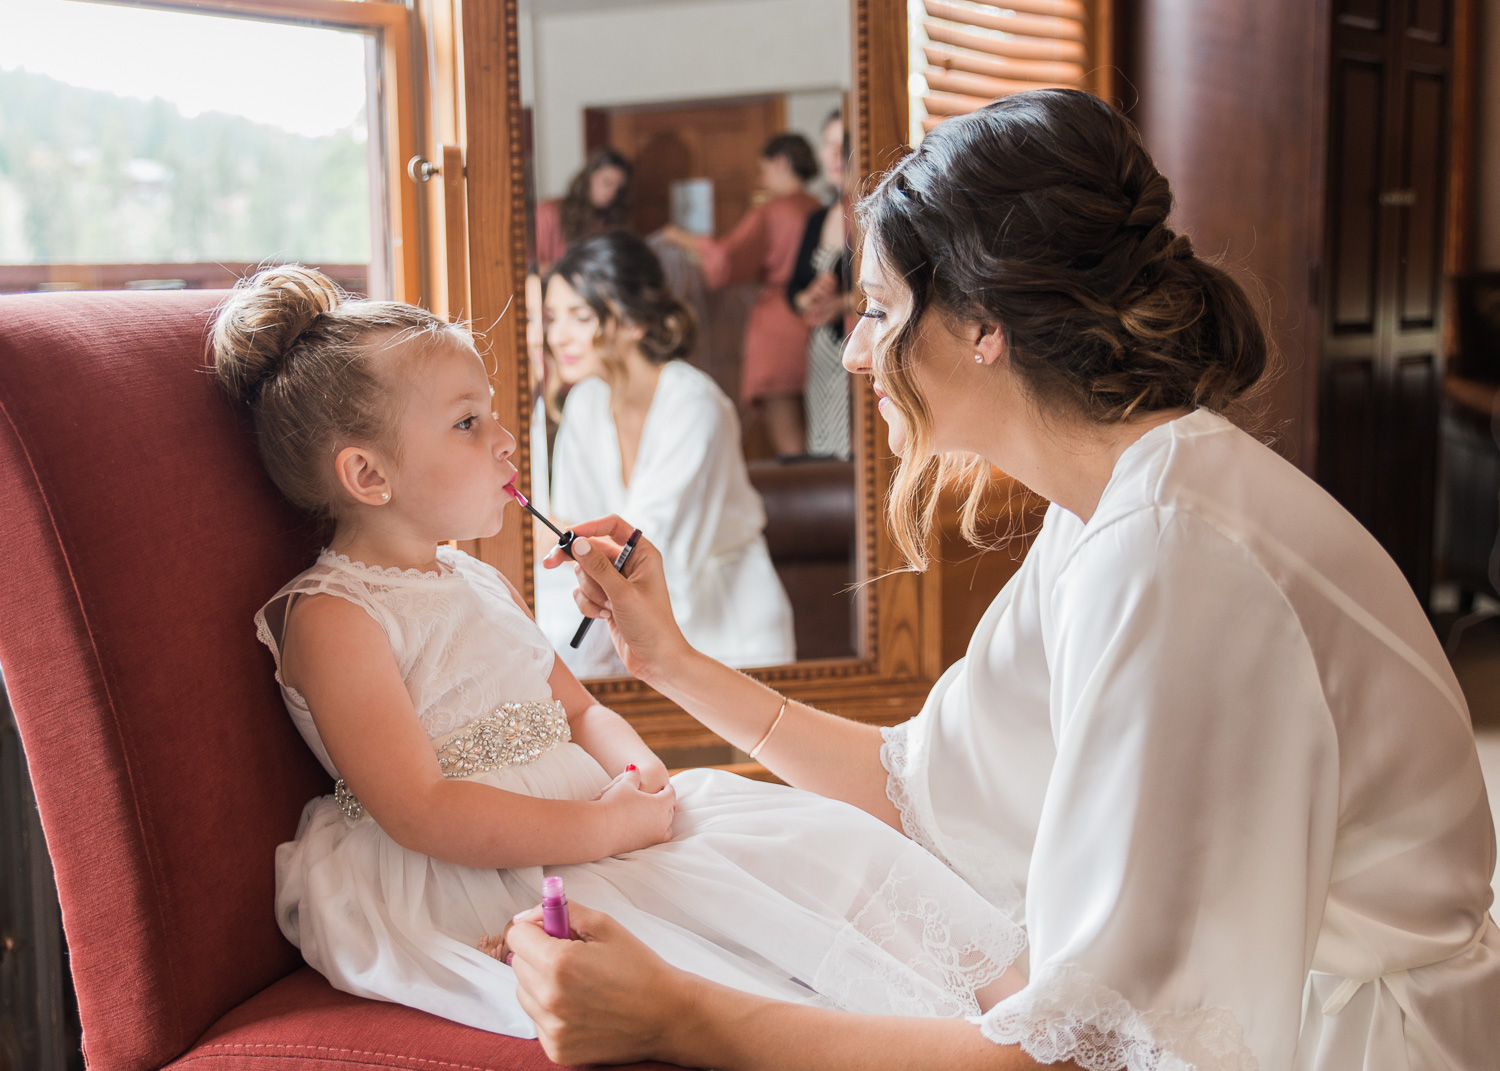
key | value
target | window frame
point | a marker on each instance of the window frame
(391, 19)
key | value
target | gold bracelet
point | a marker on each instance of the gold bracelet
(775, 722)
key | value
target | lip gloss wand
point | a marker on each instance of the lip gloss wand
(564, 539)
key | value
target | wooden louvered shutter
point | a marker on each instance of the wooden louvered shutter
(970, 53)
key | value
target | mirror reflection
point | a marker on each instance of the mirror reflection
(687, 299)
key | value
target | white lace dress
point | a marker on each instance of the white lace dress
(762, 887)
(1209, 745)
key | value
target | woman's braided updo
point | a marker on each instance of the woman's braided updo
(1043, 213)
(294, 349)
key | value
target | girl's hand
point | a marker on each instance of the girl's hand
(652, 772)
(637, 819)
(602, 998)
(637, 607)
(654, 776)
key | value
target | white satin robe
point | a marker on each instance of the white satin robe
(1209, 746)
(690, 494)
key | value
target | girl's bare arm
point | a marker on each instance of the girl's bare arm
(340, 660)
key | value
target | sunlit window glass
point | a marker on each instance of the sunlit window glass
(143, 148)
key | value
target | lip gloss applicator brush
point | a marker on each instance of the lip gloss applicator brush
(565, 543)
(564, 539)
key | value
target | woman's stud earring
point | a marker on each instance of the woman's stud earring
(979, 358)
(385, 496)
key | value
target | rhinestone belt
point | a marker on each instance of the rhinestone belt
(514, 734)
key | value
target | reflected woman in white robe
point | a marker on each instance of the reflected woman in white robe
(647, 435)
(1205, 743)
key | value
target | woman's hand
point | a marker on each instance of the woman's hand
(602, 998)
(822, 301)
(637, 607)
(637, 819)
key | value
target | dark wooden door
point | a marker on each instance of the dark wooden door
(715, 139)
(1389, 99)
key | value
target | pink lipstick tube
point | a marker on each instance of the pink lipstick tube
(555, 909)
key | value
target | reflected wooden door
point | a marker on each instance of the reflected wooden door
(1390, 96)
(719, 140)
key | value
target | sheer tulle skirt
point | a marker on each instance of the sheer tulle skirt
(764, 888)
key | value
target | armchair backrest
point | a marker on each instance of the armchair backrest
(139, 536)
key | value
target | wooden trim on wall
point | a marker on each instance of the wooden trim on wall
(497, 241)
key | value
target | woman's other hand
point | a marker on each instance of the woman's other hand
(601, 998)
(637, 607)
(638, 819)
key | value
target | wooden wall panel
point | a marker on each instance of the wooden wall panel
(1428, 20)
(1348, 411)
(1426, 165)
(1228, 96)
(1366, 14)
(1407, 529)
(1356, 118)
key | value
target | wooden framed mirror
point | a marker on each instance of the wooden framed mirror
(897, 652)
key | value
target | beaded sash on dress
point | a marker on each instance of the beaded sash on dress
(514, 734)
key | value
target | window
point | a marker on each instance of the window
(145, 147)
(965, 54)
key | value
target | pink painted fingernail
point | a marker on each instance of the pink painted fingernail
(631, 766)
(508, 957)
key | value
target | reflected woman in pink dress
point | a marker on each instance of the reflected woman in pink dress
(763, 248)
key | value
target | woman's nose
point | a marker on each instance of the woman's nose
(857, 357)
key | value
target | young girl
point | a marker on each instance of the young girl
(469, 758)
(647, 436)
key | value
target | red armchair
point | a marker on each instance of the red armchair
(140, 536)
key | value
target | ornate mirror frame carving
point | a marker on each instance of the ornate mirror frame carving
(899, 614)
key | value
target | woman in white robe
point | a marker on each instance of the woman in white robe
(1204, 743)
(646, 435)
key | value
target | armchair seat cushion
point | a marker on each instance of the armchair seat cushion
(301, 1023)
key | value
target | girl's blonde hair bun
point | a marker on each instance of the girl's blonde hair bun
(258, 327)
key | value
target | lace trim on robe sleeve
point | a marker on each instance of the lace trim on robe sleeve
(895, 756)
(1067, 1015)
(905, 771)
(911, 950)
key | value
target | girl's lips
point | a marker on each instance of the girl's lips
(878, 392)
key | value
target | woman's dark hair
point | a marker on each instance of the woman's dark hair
(577, 212)
(619, 278)
(1043, 213)
(798, 153)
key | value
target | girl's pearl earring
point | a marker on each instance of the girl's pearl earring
(385, 496)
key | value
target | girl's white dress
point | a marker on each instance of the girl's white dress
(690, 494)
(762, 887)
(1209, 746)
